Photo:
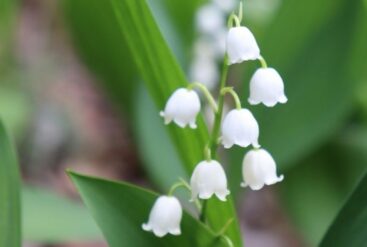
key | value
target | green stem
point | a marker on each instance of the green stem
(234, 95)
(206, 92)
(233, 18)
(240, 12)
(181, 183)
(218, 116)
(207, 153)
(203, 212)
(263, 62)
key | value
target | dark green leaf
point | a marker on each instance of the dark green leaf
(350, 226)
(10, 229)
(121, 208)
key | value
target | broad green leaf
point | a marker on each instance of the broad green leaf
(10, 216)
(350, 228)
(121, 208)
(70, 220)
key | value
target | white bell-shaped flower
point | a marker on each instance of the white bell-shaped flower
(241, 45)
(267, 87)
(258, 169)
(182, 108)
(207, 179)
(240, 128)
(209, 19)
(165, 217)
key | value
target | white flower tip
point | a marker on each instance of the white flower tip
(222, 196)
(243, 185)
(159, 233)
(193, 125)
(256, 145)
(161, 113)
(283, 99)
(175, 232)
(252, 101)
(146, 227)
(205, 195)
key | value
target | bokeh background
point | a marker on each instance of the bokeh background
(72, 98)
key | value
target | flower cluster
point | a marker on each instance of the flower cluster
(239, 127)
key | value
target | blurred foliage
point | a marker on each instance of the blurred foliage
(49, 218)
(10, 223)
(349, 228)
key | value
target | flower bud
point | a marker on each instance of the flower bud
(240, 128)
(241, 45)
(165, 217)
(266, 86)
(258, 169)
(182, 108)
(207, 179)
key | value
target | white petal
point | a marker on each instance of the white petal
(267, 87)
(207, 179)
(258, 169)
(240, 128)
(182, 108)
(241, 45)
(165, 216)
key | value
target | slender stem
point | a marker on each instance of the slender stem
(234, 95)
(206, 92)
(228, 240)
(181, 183)
(240, 12)
(207, 153)
(203, 211)
(234, 18)
(225, 227)
(263, 62)
(218, 115)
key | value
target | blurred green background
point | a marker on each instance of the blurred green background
(73, 98)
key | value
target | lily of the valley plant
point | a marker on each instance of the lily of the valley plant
(239, 127)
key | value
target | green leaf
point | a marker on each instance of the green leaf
(70, 220)
(121, 208)
(10, 229)
(157, 158)
(96, 34)
(350, 228)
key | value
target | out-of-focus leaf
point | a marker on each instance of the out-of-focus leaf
(48, 218)
(350, 228)
(314, 190)
(312, 196)
(121, 208)
(96, 34)
(10, 216)
(156, 148)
